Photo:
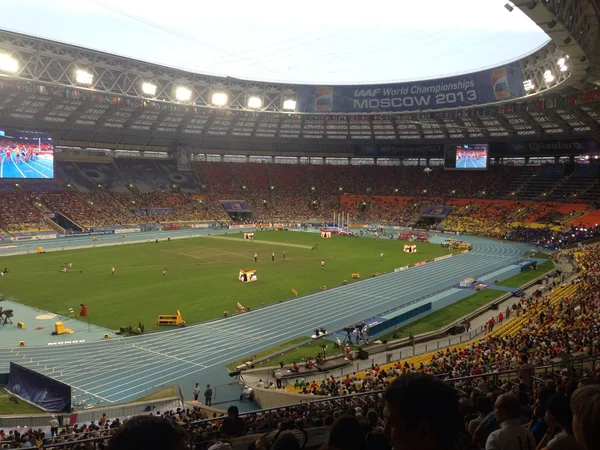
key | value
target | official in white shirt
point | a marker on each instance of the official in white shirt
(511, 435)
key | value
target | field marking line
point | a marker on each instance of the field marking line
(189, 256)
(258, 241)
(225, 251)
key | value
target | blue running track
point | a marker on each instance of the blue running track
(116, 371)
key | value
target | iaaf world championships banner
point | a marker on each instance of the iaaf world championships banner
(488, 86)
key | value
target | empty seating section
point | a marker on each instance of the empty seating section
(572, 189)
(186, 181)
(538, 186)
(591, 194)
(103, 174)
(517, 182)
(143, 173)
(74, 175)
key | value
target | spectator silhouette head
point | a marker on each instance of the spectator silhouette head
(585, 404)
(149, 433)
(421, 413)
(346, 434)
(559, 413)
(483, 405)
(233, 411)
(507, 407)
(286, 441)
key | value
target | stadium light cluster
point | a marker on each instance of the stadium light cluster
(528, 85)
(548, 76)
(219, 98)
(562, 63)
(183, 94)
(254, 102)
(83, 77)
(8, 63)
(289, 105)
(149, 89)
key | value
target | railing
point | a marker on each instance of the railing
(393, 355)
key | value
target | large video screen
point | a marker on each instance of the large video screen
(467, 157)
(26, 155)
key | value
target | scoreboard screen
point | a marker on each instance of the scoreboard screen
(26, 155)
(466, 157)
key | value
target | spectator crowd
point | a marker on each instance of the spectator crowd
(130, 192)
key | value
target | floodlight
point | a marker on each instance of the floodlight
(548, 77)
(83, 77)
(561, 62)
(564, 68)
(149, 89)
(528, 85)
(8, 63)
(183, 94)
(219, 98)
(253, 102)
(289, 105)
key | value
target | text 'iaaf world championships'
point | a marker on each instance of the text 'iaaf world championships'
(443, 94)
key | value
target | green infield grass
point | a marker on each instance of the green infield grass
(202, 274)
(523, 277)
(15, 406)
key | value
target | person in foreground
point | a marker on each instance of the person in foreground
(512, 435)
(421, 412)
(149, 433)
(585, 404)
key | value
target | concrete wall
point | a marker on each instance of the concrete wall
(89, 415)
(272, 398)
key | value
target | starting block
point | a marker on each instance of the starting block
(170, 319)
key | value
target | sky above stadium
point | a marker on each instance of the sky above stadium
(312, 41)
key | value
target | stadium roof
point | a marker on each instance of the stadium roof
(312, 41)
